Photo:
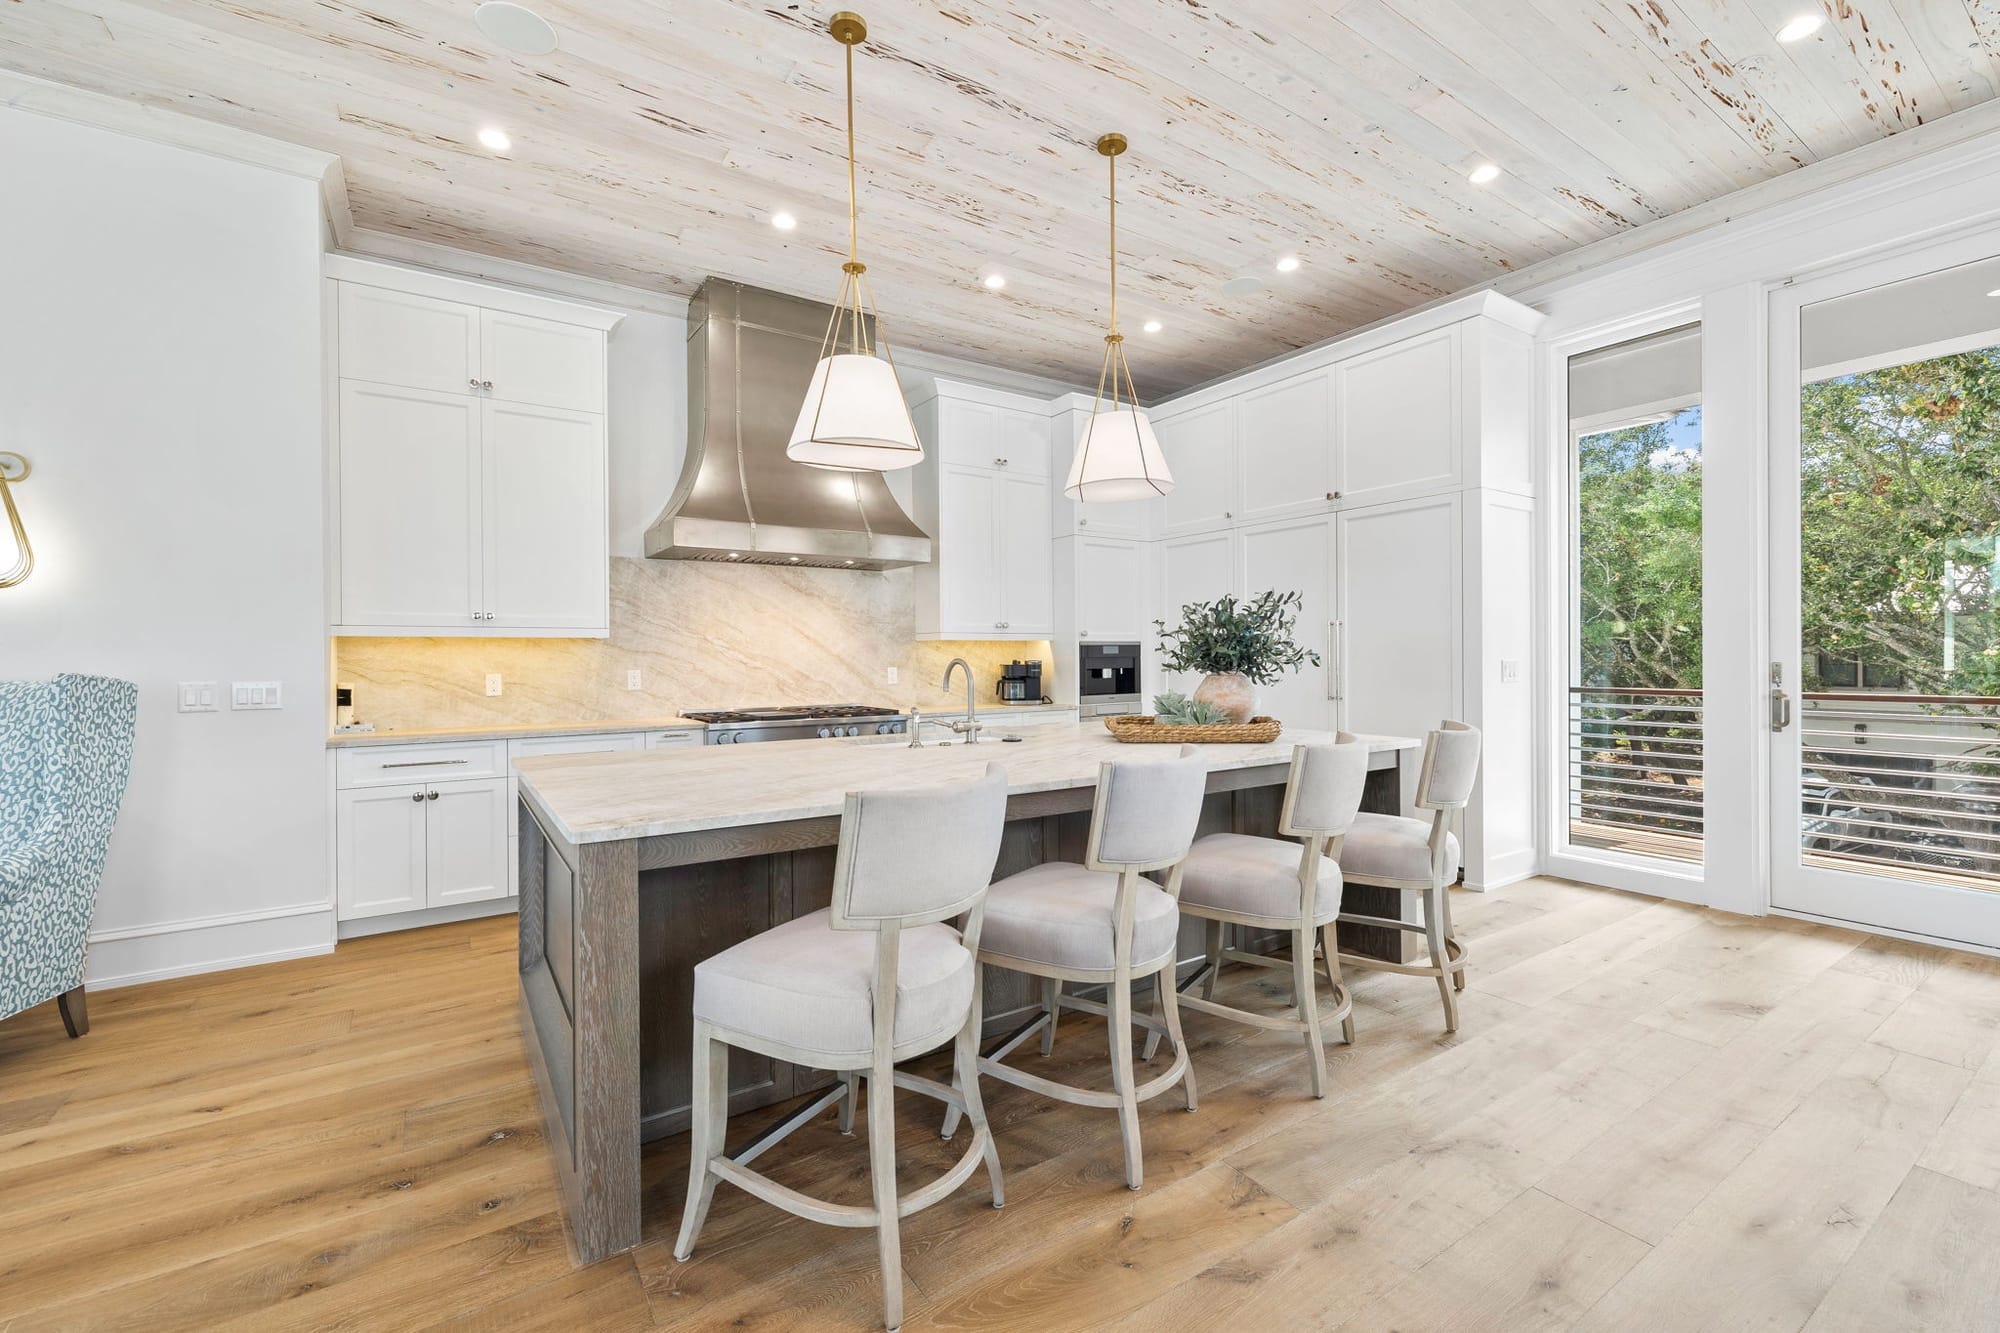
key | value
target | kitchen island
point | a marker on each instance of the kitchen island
(635, 866)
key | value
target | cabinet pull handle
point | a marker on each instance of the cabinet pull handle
(426, 763)
(1333, 682)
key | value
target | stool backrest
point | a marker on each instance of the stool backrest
(1146, 811)
(1451, 766)
(1323, 793)
(914, 855)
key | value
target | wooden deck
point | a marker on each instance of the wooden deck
(1654, 1117)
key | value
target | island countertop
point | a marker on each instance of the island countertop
(651, 793)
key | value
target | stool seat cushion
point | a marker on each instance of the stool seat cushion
(1061, 915)
(807, 985)
(1392, 847)
(1246, 876)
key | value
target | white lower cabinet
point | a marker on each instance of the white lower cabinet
(425, 844)
(465, 842)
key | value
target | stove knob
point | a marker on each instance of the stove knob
(824, 732)
(854, 731)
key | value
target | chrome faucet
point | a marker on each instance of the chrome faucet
(969, 728)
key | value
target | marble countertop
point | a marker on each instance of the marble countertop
(502, 731)
(649, 793)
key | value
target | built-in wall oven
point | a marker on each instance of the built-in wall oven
(1107, 679)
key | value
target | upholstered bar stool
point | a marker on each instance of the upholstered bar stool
(1232, 879)
(1100, 922)
(1396, 852)
(876, 978)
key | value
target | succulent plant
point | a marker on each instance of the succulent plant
(1177, 710)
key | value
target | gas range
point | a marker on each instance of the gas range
(740, 726)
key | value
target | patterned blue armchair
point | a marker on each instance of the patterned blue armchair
(65, 752)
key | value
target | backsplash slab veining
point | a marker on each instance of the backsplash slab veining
(701, 635)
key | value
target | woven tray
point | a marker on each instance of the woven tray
(1148, 731)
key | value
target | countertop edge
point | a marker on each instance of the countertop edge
(346, 740)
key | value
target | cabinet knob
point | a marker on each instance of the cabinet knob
(431, 795)
(417, 797)
(1083, 523)
(486, 385)
(1227, 514)
(473, 383)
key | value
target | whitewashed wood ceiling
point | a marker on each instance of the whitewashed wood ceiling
(653, 146)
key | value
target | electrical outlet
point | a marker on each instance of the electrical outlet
(632, 679)
(197, 696)
(492, 684)
(894, 675)
(1510, 671)
(256, 694)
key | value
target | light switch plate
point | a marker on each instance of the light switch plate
(256, 695)
(1510, 671)
(493, 685)
(198, 696)
(632, 679)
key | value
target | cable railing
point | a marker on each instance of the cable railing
(1634, 782)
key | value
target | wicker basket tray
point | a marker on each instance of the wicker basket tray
(1148, 731)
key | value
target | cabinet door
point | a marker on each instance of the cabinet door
(970, 602)
(545, 519)
(1021, 441)
(1027, 573)
(968, 434)
(542, 362)
(1193, 569)
(1399, 619)
(1399, 420)
(1200, 449)
(1111, 590)
(417, 342)
(1103, 518)
(1284, 447)
(1295, 556)
(465, 842)
(409, 508)
(378, 852)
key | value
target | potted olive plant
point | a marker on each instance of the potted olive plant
(1238, 646)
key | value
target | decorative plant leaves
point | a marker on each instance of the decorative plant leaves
(1253, 638)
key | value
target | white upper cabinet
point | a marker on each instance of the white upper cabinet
(526, 360)
(1193, 569)
(1295, 555)
(1200, 448)
(1399, 414)
(543, 483)
(419, 342)
(469, 459)
(410, 545)
(1101, 518)
(1112, 592)
(1284, 447)
(983, 493)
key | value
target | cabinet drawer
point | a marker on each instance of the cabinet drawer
(600, 743)
(388, 765)
(660, 740)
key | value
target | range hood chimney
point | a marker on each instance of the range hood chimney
(751, 355)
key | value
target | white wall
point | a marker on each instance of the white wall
(159, 364)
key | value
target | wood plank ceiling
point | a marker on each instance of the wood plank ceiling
(654, 145)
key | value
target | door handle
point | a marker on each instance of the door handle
(1781, 703)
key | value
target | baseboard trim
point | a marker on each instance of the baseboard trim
(204, 923)
(131, 956)
(362, 926)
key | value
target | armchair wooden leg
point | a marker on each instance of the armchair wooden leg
(75, 1017)
(1308, 1005)
(882, 1175)
(1119, 1025)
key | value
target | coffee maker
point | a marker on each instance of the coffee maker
(1020, 683)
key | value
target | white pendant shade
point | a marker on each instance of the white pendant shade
(854, 417)
(1118, 458)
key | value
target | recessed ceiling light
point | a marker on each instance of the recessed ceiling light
(784, 221)
(1805, 25)
(1152, 326)
(1288, 264)
(1243, 284)
(495, 138)
(515, 28)
(995, 281)
(1484, 174)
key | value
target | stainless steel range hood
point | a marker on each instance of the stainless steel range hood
(751, 355)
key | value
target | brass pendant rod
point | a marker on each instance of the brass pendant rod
(1112, 163)
(853, 220)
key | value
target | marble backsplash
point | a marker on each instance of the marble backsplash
(701, 635)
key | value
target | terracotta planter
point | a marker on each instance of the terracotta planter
(1232, 692)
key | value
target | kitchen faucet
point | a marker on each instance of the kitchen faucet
(969, 728)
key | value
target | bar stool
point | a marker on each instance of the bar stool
(1232, 879)
(1100, 922)
(1395, 852)
(875, 978)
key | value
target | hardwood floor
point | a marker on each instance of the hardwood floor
(1653, 1117)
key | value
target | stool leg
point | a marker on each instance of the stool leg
(1052, 1006)
(882, 1173)
(1214, 960)
(705, 1140)
(1162, 983)
(965, 1059)
(850, 1080)
(1170, 1012)
(1434, 933)
(1120, 1029)
(1458, 977)
(1329, 938)
(1308, 1004)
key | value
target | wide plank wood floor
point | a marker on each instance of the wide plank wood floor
(1654, 1117)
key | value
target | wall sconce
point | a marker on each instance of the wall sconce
(17, 558)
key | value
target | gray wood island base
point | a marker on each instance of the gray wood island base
(637, 865)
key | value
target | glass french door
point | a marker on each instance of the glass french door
(1884, 685)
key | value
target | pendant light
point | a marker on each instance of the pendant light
(854, 417)
(1118, 457)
